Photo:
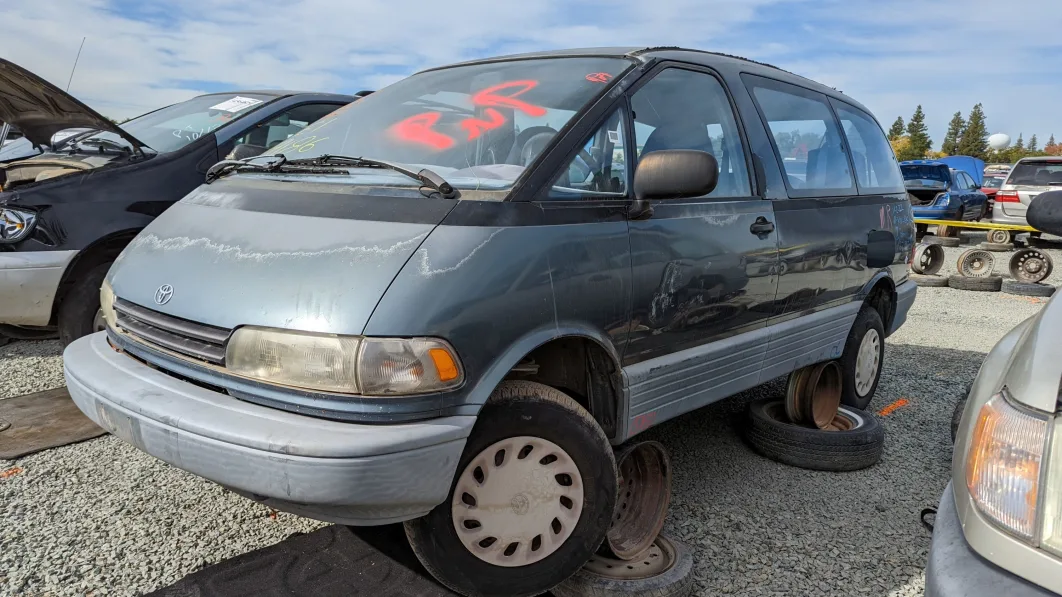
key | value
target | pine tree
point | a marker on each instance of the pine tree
(919, 134)
(975, 138)
(1016, 151)
(1034, 145)
(955, 130)
(897, 129)
(1051, 148)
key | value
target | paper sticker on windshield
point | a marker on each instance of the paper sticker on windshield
(236, 104)
(613, 137)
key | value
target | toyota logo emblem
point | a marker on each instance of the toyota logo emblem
(163, 294)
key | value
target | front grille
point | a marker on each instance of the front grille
(187, 338)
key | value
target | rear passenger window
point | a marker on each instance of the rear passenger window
(876, 169)
(682, 109)
(806, 138)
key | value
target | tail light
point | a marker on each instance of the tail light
(1007, 197)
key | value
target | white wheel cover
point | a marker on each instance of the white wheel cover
(517, 501)
(868, 362)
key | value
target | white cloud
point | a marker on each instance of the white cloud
(946, 54)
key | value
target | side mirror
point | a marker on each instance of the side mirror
(1045, 212)
(675, 174)
(245, 150)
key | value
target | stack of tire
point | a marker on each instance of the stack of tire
(821, 424)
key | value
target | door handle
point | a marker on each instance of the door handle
(761, 226)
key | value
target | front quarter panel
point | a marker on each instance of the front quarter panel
(496, 292)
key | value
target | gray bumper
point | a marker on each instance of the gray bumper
(956, 571)
(329, 470)
(28, 281)
(905, 297)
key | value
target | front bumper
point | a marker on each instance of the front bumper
(28, 283)
(955, 570)
(328, 470)
(905, 297)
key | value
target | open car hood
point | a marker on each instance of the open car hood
(40, 109)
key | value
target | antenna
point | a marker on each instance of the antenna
(75, 65)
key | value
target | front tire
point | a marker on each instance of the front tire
(864, 354)
(540, 527)
(79, 313)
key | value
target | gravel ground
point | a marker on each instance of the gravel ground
(103, 518)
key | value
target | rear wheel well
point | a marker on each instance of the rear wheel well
(882, 297)
(584, 370)
(103, 250)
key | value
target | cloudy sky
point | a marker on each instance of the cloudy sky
(889, 54)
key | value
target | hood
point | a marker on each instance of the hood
(1034, 376)
(230, 263)
(40, 109)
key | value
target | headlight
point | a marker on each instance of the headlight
(1053, 495)
(15, 224)
(1003, 464)
(343, 364)
(107, 304)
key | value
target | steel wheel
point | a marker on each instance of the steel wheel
(976, 263)
(928, 259)
(867, 362)
(518, 501)
(658, 558)
(1030, 266)
(999, 236)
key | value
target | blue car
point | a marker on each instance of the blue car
(939, 192)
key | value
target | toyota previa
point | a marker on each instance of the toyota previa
(445, 304)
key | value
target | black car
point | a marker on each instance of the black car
(69, 205)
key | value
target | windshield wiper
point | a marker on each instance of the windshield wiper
(101, 143)
(425, 176)
(226, 166)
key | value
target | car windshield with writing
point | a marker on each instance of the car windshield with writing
(935, 177)
(992, 182)
(479, 126)
(173, 127)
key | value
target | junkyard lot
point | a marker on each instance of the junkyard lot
(104, 517)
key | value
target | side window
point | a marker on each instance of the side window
(277, 128)
(970, 184)
(598, 170)
(876, 169)
(682, 109)
(806, 137)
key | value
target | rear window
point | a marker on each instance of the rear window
(992, 182)
(1036, 174)
(935, 177)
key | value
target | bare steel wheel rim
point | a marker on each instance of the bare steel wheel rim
(1030, 266)
(657, 559)
(517, 501)
(976, 264)
(868, 361)
(998, 237)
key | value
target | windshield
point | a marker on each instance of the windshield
(173, 127)
(22, 148)
(992, 182)
(925, 176)
(1036, 173)
(472, 125)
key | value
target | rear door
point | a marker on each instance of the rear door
(704, 269)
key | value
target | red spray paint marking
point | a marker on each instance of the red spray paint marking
(477, 126)
(490, 97)
(599, 77)
(418, 129)
(888, 410)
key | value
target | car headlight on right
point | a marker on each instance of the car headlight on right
(343, 364)
(110, 316)
(1053, 494)
(1003, 464)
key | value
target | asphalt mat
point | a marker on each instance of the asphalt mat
(40, 421)
(333, 561)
